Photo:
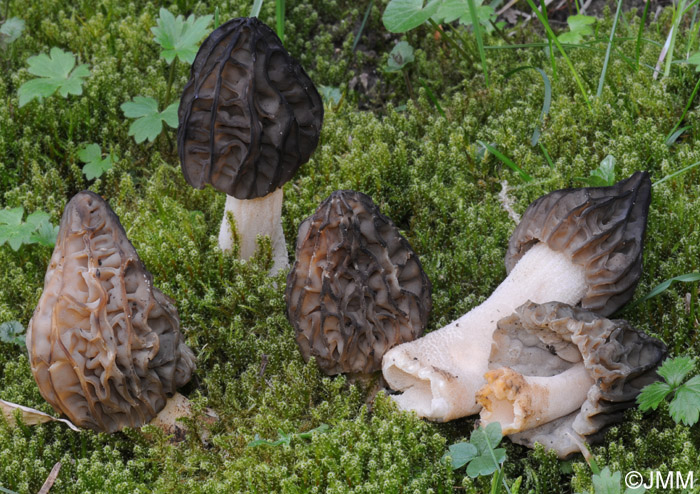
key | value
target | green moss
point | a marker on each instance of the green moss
(424, 171)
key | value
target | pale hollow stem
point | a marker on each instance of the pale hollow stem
(520, 403)
(253, 217)
(441, 373)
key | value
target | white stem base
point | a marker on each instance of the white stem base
(253, 217)
(520, 403)
(440, 373)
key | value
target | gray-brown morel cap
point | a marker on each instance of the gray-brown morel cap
(547, 339)
(104, 344)
(249, 116)
(601, 228)
(356, 288)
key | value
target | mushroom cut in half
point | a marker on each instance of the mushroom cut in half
(249, 117)
(562, 374)
(356, 288)
(104, 344)
(576, 246)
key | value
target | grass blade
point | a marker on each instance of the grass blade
(506, 161)
(546, 155)
(601, 81)
(479, 39)
(280, 19)
(675, 174)
(545, 104)
(638, 47)
(662, 287)
(432, 97)
(255, 11)
(544, 22)
(687, 107)
(552, 60)
(362, 26)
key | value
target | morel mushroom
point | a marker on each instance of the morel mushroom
(356, 288)
(560, 373)
(573, 246)
(104, 344)
(249, 118)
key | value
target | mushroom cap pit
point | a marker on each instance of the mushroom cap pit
(601, 228)
(357, 288)
(104, 344)
(249, 115)
(549, 339)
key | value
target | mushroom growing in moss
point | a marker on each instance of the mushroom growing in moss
(356, 288)
(561, 373)
(576, 246)
(249, 118)
(104, 344)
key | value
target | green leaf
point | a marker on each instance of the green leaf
(484, 464)
(451, 10)
(11, 30)
(694, 59)
(12, 230)
(45, 234)
(652, 395)
(149, 121)
(602, 176)
(685, 406)
(95, 165)
(461, 454)
(403, 15)
(400, 56)
(676, 369)
(330, 95)
(56, 72)
(606, 482)
(12, 332)
(179, 37)
(662, 287)
(579, 26)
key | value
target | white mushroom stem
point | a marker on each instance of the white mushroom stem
(440, 373)
(253, 217)
(520, 402)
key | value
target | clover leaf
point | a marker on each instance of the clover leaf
(179, 37)
(11, 30)
(55, 72)
(451, 10)
(95, 165)
(579, 26)
(480, 452)
(403, 15)
(34, 230)
(685, 404)
(149, 123)
(602, 176)
(11, 332)
(400, 56)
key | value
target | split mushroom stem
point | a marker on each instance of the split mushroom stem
(521, 403)
(253, 217)
(440, 373)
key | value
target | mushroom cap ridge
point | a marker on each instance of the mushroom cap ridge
(546, 339)
(249, 115)
(601, 228)
(357, 288)
(104, 343)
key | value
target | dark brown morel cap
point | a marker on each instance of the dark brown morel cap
(104, 344)
(249, 115)
(356, 288)
(601, 228)
(547, 339)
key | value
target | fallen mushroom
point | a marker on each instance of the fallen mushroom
(572, 246)
(104, 344)
(561, 374)
(356, 288)
(249, 118)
